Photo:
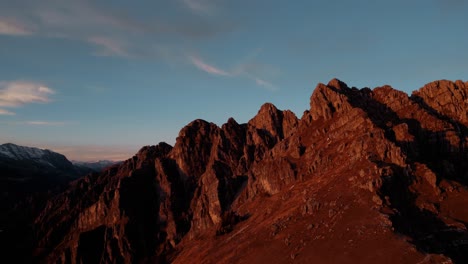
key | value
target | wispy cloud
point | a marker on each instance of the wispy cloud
(6, 112)
(244, 69)
(19, 93)
(200, 6)
(38, 123)
(13, 28)
(44, 123)
(261, 82)
(109, 47)
(200, 64)
(108, 29)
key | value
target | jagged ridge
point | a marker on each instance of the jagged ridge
(362, 168)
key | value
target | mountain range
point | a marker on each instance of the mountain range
(95, 166)
(28, 178)
(364, 176)
(25, 170)
(28, 169)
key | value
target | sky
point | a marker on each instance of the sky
(100, 79)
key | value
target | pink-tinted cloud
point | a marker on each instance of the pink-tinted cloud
(200, 6)
(19, 93)
(109, 47)
(13, 28)
(109, 28)
(242, 70)
(200, 64)
(44, 123)
(263, 83)
(6, 112)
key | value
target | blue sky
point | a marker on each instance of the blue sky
(100, 79)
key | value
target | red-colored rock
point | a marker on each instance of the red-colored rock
(447, 98)
(367, 176)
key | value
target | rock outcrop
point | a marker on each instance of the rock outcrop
(368, 176)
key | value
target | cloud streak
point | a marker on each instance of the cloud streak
(200, 64)
(20, 93)
(6, 112)
(110, 29)
(38, 123)
(109, 47)
(44, 123)
(242, 70)
(200, 6)
(266, 84)
(13, 28)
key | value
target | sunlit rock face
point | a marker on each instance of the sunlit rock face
(365, 176)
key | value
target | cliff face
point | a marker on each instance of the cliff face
(364, 176)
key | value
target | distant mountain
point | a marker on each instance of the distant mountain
(22, 163)
(96, 166)
(26, 170)
(28, 178)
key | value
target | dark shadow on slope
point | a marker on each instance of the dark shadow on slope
(426, 230)
(25, 187)
(91, 245)
(229, 189)
(429, 147)
(229, 186)
(58, 224)
(139, 201)
(461, 153)
(182, 191)
(229, 220)
(142, 199)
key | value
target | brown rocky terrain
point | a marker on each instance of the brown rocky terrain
(364, 176)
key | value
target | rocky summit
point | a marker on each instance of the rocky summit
(364, 176)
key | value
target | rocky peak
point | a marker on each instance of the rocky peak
(389, 92)
(233, 141)
(162, 149)
(276, 123)
(230, 123)
(196, 128)
(193, 146)
(337, 84)
(390, 97)
(329, 99)
(446, 97)
(267, 118)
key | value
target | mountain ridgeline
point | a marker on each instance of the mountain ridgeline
(364, 176)
(28, 178)
(28, 170)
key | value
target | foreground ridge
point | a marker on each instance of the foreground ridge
(368, 176)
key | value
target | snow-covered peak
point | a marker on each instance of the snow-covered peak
(21, 153)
